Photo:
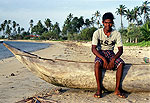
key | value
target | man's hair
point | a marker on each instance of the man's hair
(108, 15)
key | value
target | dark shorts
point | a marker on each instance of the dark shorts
(108, 54)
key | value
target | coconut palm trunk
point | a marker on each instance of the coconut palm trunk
(121, 22)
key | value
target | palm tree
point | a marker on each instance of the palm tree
(5, 22)
(3, 25)
(96, 17)
(121, 11)
(48, 24)
(3, 28)
(87, 23)
(9, 22)
(31, 25)
(80, 22)
(39, 28)
(67, 25)
(56, 27)
(70, 16)
(145, 9)
(8, 30)
(92, 21)
(128, 14)
(18, 28)
(136, 13)
(14, 24)
(22, 29)
(56, 30)
(74, 25)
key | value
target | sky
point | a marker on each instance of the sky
(22, 11)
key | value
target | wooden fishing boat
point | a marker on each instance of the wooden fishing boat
(74, 74)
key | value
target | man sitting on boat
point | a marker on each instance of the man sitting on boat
(103, 43)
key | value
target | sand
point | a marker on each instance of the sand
(18, 83)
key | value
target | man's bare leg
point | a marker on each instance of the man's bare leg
(118, 81)
(98, 75)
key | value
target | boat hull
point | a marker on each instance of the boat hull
(75, 74)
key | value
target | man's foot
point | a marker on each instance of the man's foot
(98, 95)
(119, 94)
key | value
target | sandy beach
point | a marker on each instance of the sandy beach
(18, 83)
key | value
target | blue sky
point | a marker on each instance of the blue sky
(22, 11)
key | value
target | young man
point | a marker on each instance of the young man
(103, 42)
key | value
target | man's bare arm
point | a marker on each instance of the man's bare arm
(95, 52)
(119, 53)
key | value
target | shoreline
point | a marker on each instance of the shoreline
(18, 83)
(29, 48)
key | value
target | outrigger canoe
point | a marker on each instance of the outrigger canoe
(74, 74)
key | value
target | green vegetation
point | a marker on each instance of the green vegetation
(82, 29)
(141, 44)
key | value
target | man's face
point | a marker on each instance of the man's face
(108, 23)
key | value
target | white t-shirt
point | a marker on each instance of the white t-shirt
(106, 43)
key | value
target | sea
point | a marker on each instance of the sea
(24, 46)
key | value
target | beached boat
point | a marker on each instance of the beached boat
(74, 74)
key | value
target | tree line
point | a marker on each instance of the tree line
(138, 28)
(78, 28)
(73, 28)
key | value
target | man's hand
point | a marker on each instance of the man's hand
(111, 64)
(105, 64)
